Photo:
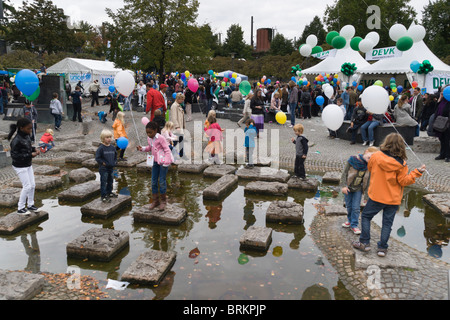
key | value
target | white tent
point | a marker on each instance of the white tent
(225, 74)
(401, 65)
(86, 71)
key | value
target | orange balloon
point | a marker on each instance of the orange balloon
(414, 84)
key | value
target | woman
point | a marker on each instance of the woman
(443, 109)
(402, 113)
(369, 127)
(177, 118)
(429, 109)
(275, 103)
(284, 98)
(306, 102)
(293, 101)
(257, 106)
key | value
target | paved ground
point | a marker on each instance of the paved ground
(428, 281)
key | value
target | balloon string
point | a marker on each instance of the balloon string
(134, 123)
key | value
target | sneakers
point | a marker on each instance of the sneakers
(112, 195)
(365, 143)
(361, 246)
(106, 199)
(371, 143)
(32, 208)
(346, 224)
(381, 252)
(356, 231)
(23, 212)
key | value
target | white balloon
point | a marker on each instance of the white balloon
(329, 91)
(375, 99)
(311, 40)
(332, 117)
(416, 32)
(344, 84)
(305, 50)
(238, 80)
(397, 31)
(374, 36)
(124, 83)
(348, 32)
(366, 45)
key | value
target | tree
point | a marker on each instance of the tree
(234, 43)
(40, 26)
(436, 21)
(281, 45)
(316, 28)
(353, 12)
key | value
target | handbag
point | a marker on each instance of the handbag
(441, 124)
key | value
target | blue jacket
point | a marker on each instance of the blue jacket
(106, 154)
(250, 134)
(346, 98)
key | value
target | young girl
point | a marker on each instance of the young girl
(247, 112)
(301, 151)
(22, 153)
(214, 147)
(388, 177)
(160, 150)
(354, 182)
(167, 133)
(119, 131)
(46, 142)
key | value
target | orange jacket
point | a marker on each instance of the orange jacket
(388, 177)
(119, 129)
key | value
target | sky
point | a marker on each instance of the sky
(287, 17)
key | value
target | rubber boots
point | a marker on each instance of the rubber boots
(155, 201)
(163, 204)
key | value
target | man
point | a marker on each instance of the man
(417, 107)
(236, 97)
(94, 89)
(353, 97)
(346, 101)
(155, 100)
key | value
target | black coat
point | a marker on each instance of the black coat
(21, 150)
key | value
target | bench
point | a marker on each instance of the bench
(407, 132)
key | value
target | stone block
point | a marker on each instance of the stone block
(427, 145)
(267, 188)
(217, 171)
(46, 170)
(81, 175)
(43, 183)
(98, 209)
(220, 188)
(332, 177)
(393, 259)
(263, 174)
(15, 285)
(171, 215)
(150, 267)
(90, 163)
(81, 192)
(285, 212)
(309, 185)
(335, 209)
(192, 168)
(78, 157)
(98, 244)
(9, 197)
(440, 202)
(132, 161)
(256, 238)
(14, 222)
(89, 149)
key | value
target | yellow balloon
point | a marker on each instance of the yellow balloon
(187, 73)
(281, 117)
(391, 98)
(336, 76)
(394, 89)
(258, 84)
(234, 75)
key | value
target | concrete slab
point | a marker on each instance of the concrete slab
(98, 244)
(285, 212)
(98, 209)
(192, 168)
(150, 267)
(335, 209)
(43, 183)
(440, 202)
(393, 259)
(263, 174)
(78, 157)
(46, 170)
(217, 171)
(81, 175)
(308, 185)
(9, 197)
(267, 188)
(14, 222)
(172, 215)
(90, 163)
(81, 192)
(15, 285)
(332, 177)
(221, 187)
(132, 161)
(256, 238)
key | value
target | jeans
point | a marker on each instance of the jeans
(299, 168)
(58, 119)
(249, 153)
(417, 130)
(349, 112)
(292, 109)
(372, 208)
(1, 105)
(77, 111)
(26, 176)
(106, 181)
(354, 131)
(353, 205)
(48, 146)
(370, 127)
(209, 104)
(159, 173)
(94, 98)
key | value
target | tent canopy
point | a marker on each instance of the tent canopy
(72, 65)
(224, 73)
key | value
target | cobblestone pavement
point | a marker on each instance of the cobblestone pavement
(428, 281)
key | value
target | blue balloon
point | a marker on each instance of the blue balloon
(399, 89)
(360, 87)
(210, 72)
(269, 81)
(293, 79)
(415, 65)
(233, 80)
(122, 142)
(112, 89)
(354, 83)
(446, 93)
(320, 100)
(27, 81)
(174, 95)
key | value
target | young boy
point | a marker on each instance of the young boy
(250, 134)
(301, 150)
(106, 158)
(56, 110)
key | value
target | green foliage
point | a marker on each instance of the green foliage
(316, 28)
(234, 43)
(281, 45)
(436, 20)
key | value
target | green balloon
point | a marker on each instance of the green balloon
(354, 43)
(243, 258)
(404, 43)
(316, 49)
(34, 95)
(339, 42)
(245, 87)
(330, 36)
(378, 83)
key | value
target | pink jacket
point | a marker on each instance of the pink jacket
(159, 148)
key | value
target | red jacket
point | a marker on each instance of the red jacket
(47, 138)
(155, 100)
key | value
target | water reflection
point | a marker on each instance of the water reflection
(32, 251)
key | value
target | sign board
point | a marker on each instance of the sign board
(383, 53)
(325, 54)
(434, 80)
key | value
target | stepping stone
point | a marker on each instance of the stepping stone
(78, 157)
(256, 238)
(217, 171)
(332, 177)
(440, 202)
(263, 162)
(171, 215)
(263, 174)
(143, 167)
(91, 150)
(98, 244)
(98, 209)
(335, 209)
(150, 267)
(132, 161)
(9, 197)
(15, 285)
(81, 192)
(393, 259)
(69, 145)
(267, 188)
(221, 187)
(310, 184)
(46, 170)
(192, 168)
(285, 212)
(96, 143)
(14, 222)
(81, 175)
(90, 163)
(43, 183)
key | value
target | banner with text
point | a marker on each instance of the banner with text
(434, 80)
(325, 54)
(383, 53)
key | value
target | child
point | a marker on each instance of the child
(119, 131)
(301, 150)
(214, 147)
(388, 177)
(22, 153)
(159, 119)
(46, 142)
(167, 133)
(354, 182)
(106, 158)
(56, 110)
(247, 112)
(114, 108)
(76, 101)
(250, 134)
(159, 148)
(30, 112)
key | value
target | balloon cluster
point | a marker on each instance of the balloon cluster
(425, 67)
(367, 44)
(327, 78)
(296, 70)
(340, 40)
(310, 47)
(348, 68)
(406, 38)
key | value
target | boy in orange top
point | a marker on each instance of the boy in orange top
(388, 177)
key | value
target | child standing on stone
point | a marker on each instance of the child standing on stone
(106, 158)
(22, 152)
(56, 110)
(250, 135)
(214, 147)
(119, 132)
(301, 151)
(355, 181)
